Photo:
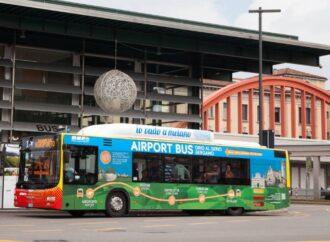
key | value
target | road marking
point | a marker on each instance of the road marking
(202, 223)
(42, 230)
(11, 241)
(161, 220)
(119, 229)
(91, 223)
(158, 225)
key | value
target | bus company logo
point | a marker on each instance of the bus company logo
(105, 157)
(80, 139)
(89, 193)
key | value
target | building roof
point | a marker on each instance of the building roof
(159, 21)
(223, 48)
(295, 73)
(215, 83)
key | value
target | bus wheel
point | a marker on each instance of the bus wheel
(75, 213)
(235, 211)
(116, 204)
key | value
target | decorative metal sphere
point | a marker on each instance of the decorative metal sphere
(115, 91)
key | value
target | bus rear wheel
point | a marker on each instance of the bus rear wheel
(116, 204)
(235, 211)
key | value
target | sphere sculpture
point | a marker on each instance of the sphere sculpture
(115, 91)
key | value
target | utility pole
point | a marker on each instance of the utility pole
(260, 11)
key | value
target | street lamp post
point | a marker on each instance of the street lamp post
(260, 11)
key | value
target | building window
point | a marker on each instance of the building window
(328, 115)
(277, 115)
(224, 111)
(210, 112)
(245, 112)
(308, 115)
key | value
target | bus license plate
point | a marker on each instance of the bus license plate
(30, 205)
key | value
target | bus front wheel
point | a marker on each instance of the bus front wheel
(235, 211)
(116, 204)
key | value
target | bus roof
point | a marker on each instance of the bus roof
(147, 131)
(160, 133)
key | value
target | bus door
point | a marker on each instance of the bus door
(80, 176)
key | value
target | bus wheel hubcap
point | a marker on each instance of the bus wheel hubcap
(116, 203)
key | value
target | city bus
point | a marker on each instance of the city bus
(118, 168)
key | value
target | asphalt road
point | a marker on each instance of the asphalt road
(298, 223)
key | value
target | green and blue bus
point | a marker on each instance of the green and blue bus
(118, 168)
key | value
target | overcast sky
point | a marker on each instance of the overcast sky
(307, 19)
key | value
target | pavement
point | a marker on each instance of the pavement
(310, 201)
(293, 200)
(299, 223)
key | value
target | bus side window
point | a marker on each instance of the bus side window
(147, 167)
(80, 165)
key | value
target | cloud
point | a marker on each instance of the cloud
(304, 18)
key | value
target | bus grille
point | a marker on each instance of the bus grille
(107, 142)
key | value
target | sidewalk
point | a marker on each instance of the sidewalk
(309, 201)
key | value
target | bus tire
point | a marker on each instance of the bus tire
(75, 213)
(116, 204)
(235, 211)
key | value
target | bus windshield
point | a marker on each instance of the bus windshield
(39, 164)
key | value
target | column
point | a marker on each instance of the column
(75, 97)
(251, 123)
(316, 177)
(239, 110)
(313, 112)
(205, 121)
(272, 108)
(323, 119)
(228, 115)
(293, 113)
(283, 119)
(217, 117)
(140, 88)
(303, 114)
(6, 94)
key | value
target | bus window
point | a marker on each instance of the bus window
(177, 169)
(147, 167)
(235, 171)
(80, 165)
(198, 170)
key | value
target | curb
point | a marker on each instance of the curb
(310, 202)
